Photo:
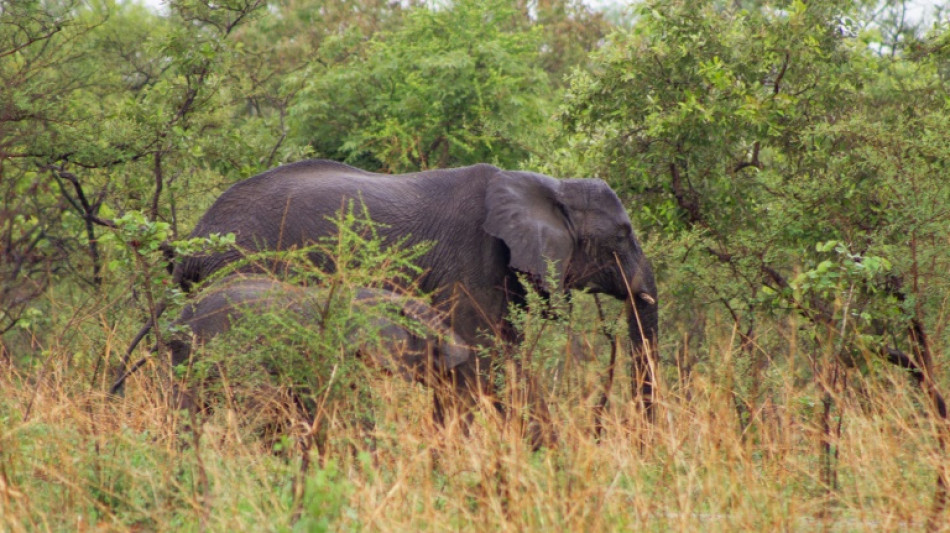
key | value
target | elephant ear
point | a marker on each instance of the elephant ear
(524, 211)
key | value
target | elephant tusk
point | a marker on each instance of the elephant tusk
(647, 298)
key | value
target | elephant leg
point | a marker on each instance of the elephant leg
(540, 430)
(181, 396)
(642, 381)
(455, 396)
(530, 409)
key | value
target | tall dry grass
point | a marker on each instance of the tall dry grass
(72, 459)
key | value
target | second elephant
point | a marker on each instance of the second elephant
(400, 334)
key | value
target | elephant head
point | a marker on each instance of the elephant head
(581, 227)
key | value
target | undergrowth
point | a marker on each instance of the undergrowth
(736, 444)
(73, 459)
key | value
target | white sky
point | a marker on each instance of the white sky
(918, 10)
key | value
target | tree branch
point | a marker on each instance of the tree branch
(88, 213)
(777, 84)
(686, 199)
(754, 162)
(159, 182)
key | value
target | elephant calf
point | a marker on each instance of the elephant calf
(382, 341)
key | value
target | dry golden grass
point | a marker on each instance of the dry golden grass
(73, 460)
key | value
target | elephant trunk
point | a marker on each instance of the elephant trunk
(642, 316)
(643, 329)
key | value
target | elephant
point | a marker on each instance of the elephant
(381, 341)
(491, 231)
(392, 331)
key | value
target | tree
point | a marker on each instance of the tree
(37, 54)
(107, 108)
(452, 86)
(276, 52)
(569, 31)
(795, 173)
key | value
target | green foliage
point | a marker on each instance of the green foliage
(113, 109)
(142, 251)
(748, 136)
(326, 497)
(37, 75)
(451, 86)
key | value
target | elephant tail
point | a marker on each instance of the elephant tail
(168, 252)
(186, 272)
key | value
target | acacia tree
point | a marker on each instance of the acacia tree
(750, 137)
(450, 86)
(795, 175)
(36, 48)
(569, 31)
(107, 108)
(278, 53)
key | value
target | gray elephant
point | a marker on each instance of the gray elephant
(490, 228)
(381, 340)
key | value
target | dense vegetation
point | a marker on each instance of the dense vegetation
(785, 164)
